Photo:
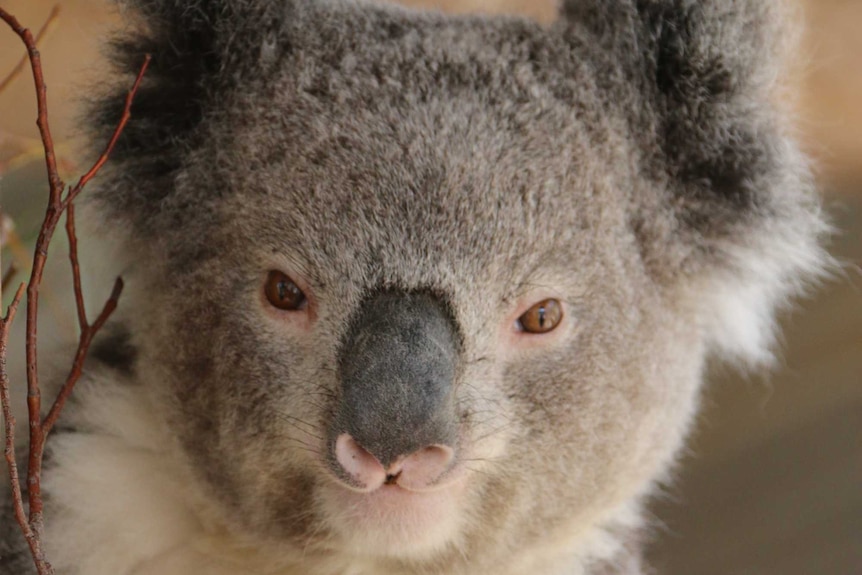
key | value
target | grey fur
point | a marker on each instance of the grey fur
(628, 159)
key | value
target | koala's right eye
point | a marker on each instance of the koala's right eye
(283, 293)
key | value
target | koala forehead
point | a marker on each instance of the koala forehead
(357, 195)
(445, 142)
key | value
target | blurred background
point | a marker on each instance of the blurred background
(772, 481)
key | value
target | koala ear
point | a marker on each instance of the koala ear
(704, 76)
(729, 209)
(200, 50)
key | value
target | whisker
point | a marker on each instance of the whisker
(295, 420)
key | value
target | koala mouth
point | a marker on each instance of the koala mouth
(404, 508)
(392, 479)
(391, 521)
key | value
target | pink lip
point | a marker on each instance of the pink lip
(394, 498)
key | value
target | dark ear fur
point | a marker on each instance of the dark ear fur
(704, 71)
(713, 64)
(196, 49)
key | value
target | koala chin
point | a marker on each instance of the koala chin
(416, 294)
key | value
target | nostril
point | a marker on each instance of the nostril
(366, 471)
(420, 470)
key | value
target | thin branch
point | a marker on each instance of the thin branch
(40, 35)
(9, 424)
(39, 430)
(109, 306)
(121, 125)
(76, 267)
(34, 395)
(56, 186)
(87, 334)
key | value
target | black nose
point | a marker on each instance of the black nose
(397, 366)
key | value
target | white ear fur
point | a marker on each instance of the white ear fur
(742, 315)
(766, 271)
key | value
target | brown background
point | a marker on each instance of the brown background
(772, 483)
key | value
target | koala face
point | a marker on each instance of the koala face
(393, 402)
(424, 289)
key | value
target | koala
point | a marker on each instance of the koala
(412, 293)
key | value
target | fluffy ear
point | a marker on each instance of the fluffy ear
(200, 50)
(736, 215)
(703, 74)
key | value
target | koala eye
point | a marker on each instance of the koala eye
(282, 292)
(542, 317)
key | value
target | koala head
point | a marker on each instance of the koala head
(425, 289)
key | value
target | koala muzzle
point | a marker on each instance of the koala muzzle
(395, 419)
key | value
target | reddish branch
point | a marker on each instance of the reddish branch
(32, 525)
(88, 331)
(9, 419)
(22, 63)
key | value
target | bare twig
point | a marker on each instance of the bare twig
(32, 526)
(76, 268)
(9, 421)
(40, 35)
(87, 334)
(121, 125)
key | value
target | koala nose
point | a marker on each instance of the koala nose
(396, 412)
(417, 471)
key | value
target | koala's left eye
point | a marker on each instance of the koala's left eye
(282, 292)
(542, 317)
